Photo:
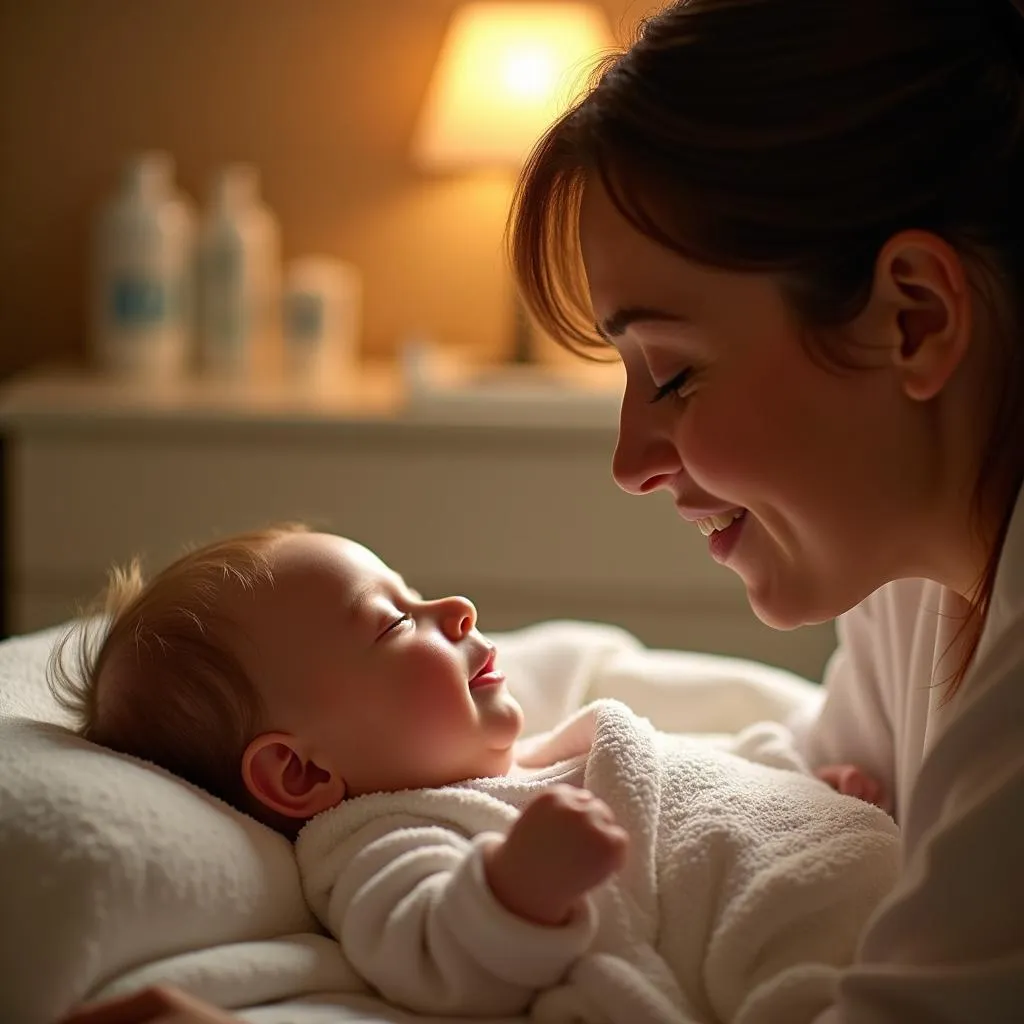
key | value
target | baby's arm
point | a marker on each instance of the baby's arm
(564, 844)
(445, 925)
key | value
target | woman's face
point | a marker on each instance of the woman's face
(831, 469)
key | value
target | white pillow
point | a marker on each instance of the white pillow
(108, 863)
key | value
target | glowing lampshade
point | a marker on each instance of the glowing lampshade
(506, 71)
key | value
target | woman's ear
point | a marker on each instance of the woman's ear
(922, 285)
(280, 777)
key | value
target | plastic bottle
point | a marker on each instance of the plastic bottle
(142, 295)
(322, 314)
(238, 271)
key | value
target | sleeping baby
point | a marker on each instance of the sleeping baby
(604, 871)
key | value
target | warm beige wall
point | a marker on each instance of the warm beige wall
(321, 94)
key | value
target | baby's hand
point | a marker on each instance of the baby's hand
(564, 844)
(849, 780)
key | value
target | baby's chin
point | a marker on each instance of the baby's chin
(514, 724)
(506, 763)
(501, 759)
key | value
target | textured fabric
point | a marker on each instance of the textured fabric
(746, 887)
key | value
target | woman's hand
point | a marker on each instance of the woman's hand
(850, 780)
(161, 1004)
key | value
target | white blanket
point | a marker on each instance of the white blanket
(115, 874)
(746, 887)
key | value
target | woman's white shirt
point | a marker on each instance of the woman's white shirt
(948, 945)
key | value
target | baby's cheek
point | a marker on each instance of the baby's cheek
(437, 690)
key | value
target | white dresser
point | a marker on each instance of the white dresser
(518, 512)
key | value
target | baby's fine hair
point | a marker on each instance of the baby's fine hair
(154, 673)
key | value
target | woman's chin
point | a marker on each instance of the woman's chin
(784, 611)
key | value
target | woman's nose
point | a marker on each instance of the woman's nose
(457, 615)
(646, 457)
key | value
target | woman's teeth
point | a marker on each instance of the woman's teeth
(711, 523)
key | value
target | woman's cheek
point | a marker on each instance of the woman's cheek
(701, 447)
(726, 454)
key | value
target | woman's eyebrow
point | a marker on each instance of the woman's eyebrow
(616, 325)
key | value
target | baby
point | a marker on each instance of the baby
(294, 673)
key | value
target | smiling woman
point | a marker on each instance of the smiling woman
(800, 225)
(720, 393)
(733, 223)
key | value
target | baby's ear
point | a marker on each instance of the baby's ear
(280, 777)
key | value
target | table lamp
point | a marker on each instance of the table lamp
(505, 73)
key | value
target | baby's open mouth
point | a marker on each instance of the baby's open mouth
(486, 673)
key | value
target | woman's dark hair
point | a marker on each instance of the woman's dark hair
(795, 137)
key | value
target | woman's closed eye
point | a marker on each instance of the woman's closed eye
(675, 385)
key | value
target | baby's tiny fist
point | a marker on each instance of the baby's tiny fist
(564, 844)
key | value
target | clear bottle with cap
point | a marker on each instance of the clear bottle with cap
(238, 272)
(142, 275)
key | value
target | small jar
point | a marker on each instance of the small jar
(322, 312)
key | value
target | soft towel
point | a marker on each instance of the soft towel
(747, 885)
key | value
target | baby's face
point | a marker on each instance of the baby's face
(386, 689)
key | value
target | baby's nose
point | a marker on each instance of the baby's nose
(458, 616)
